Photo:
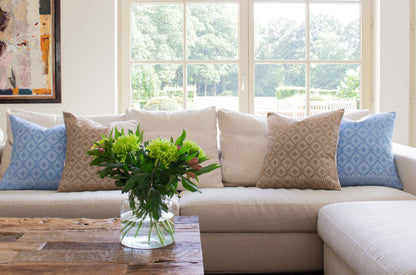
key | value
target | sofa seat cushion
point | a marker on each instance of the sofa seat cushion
(48, 203)
(251, 209)
(371, 237)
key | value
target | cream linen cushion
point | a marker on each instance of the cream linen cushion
(357, 115)
(243, 143)
(81, 134)
(49, 203)
(302, 153)
(45, 120)
(200, 126)
(272, 210)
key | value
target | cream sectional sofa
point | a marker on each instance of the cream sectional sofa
(243, 228)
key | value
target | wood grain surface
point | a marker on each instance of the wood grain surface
(92, 246)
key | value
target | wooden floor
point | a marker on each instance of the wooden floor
(87, 246)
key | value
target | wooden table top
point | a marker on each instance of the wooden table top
(92, 246)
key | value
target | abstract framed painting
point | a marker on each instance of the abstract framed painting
(30, 59)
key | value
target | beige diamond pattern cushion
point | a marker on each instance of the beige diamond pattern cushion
(302, 154)
(81, 134)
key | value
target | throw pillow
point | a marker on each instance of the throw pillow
(38, 156)
(357, 115)
(81, 134)
(243, 143)
(45, 120)
(364, 155)
(301, 154)
(200, 126)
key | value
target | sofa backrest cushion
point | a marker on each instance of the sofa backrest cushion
(45, 120)
(364, 155)
(301, 153)
(81, 134)
(243, 144)
(200, 126)
(38, 156)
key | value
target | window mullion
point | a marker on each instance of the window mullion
(247, 61)
(184, 58)
(307, 64)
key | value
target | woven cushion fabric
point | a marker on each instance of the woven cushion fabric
(272, 210)
(243, 143)
(364, 155)
(38, 156)
(357, 115)
(45, 120)
(301, 154)
(200, 126)
(82, 133)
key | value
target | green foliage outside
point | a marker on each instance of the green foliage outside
(213, 35)
(286, 92)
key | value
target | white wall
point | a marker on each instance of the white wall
(88, 51)
(391, 62)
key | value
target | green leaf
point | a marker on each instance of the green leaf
(189, 185)
(179, 140)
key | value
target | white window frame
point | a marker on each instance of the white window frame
(246, 59)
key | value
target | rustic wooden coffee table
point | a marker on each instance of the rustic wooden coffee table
(90, 246)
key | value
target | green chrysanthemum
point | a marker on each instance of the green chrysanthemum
(193, 148)
(100, 144)
(126, 144)
(163, 151)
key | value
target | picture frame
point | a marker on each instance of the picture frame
(30, 51)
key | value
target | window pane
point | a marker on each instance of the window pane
(280, 88)
(156, 31)
(335, 31)
(334, 87)
(214, 85)
(212, 31)
(157, 87)
(279, 31)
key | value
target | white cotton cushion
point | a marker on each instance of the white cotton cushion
(200, 126)
(45, 120)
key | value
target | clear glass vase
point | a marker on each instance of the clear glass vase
(146, 233)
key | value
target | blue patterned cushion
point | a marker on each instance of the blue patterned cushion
(364, 155)
(38, 156)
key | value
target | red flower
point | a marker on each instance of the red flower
(194, 164)
(190, 174)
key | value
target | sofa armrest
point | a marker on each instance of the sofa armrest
(405, 159)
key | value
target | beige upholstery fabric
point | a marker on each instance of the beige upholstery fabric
(243, 143)
(200, 126)
(372, 237)
(261, 252)
(334, 265)
(81, 134)
(47, 203)
(405, 160)
(357, 115)
(301, 154)
(45, 120)
(251, 209)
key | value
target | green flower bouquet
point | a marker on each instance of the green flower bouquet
(149, 172)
